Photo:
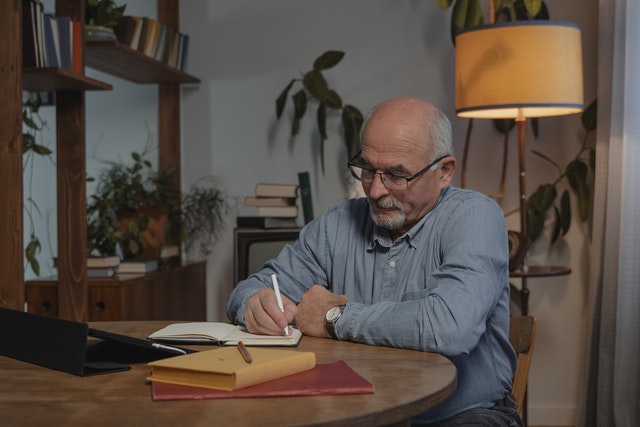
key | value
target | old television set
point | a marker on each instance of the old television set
(254, 246)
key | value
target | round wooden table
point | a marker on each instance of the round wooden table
(406, 383)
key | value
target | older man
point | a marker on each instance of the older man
(416, 264)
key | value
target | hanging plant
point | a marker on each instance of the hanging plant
(315, 89)
(32, 125)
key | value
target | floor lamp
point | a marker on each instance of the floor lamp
(519, 70)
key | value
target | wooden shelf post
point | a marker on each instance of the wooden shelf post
(11, 214)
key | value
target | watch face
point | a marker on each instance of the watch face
(333, 313)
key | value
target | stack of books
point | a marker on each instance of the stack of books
(138, 266)
(49, 41)
(154, 39)
(272, 206)
(102, 266)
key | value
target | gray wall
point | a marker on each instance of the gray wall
(246, 51)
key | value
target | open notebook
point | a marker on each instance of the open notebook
(221, 334)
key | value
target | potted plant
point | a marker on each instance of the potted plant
(199, 217)
(135, 209)
(127, 201)
(101, 17)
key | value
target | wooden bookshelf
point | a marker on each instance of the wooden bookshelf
(71, 286)
(119, 60)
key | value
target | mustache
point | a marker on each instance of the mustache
(385, 202)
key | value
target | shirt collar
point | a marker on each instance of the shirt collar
(380, 236)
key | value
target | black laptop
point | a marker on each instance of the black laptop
(74, 347)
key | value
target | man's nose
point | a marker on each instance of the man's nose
(377, 187)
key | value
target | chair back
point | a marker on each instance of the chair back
(522, 335)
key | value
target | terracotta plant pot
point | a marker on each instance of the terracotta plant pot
(153, 234)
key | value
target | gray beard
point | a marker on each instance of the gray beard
(389, 223)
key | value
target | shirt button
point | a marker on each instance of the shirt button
(392, 264)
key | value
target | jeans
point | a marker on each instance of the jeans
(503, 414)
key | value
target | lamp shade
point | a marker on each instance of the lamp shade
(519, 69)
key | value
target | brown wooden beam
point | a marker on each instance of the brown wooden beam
(11, 213)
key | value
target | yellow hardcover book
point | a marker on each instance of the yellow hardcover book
(226, 369)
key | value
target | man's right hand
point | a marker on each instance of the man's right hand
(263, 316)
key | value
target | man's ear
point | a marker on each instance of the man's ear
(447, 169)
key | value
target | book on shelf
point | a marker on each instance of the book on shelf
(221, 333)
(264, 189)
(305, 196)
(265, 222)
(29, 46)
(184, 49)
(169, 251)
(77, 47)
(101, 272)
(225, 368)
(138, 266)
(126, 30)
(335, 378)
(39, 21)
(269, 201)
(103, 261)
(277, 211)
(50, 28)
(144, 25)
(65, 29)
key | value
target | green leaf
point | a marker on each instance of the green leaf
(577, 176)
(444, 4)
(315, 83)
(29, 122)
(557, 226)
(576, 172)
(584, 200)
(282, 99)
(533, 6)
(30, 252)
(134, 247)
(332, 100)
(565, 212)
(535, 222)
(504, 125)
(328, 60)
(322, 121)
(300, 107)
(352, 120)
(589, 117)
(42, 150)
(542, 199)
(466, 13)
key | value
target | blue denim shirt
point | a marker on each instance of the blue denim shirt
(443, 287)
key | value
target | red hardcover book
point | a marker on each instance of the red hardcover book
(325, 379)
(76, 48)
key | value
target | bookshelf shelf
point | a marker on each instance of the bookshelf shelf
(54, 79)
(119, 60)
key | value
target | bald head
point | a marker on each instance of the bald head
(409, 123)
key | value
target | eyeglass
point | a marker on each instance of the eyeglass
(389, 180)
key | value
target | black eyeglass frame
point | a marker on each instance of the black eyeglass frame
(350, 165)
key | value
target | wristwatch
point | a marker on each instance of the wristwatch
(330, 319)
